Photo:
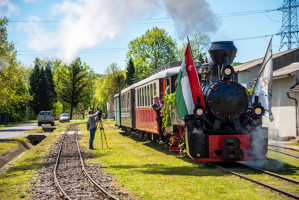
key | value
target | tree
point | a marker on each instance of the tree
(130, 75)
(200, 44)
(73, 80)
(151, 50)
(13, 91)
(51, 86)
(109, 85)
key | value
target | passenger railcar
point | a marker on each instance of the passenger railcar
(227, 128)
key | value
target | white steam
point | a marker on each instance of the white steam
(86, 23)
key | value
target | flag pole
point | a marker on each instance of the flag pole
(190, 49)
(263, 67)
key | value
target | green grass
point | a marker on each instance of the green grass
(149, 171)
(295, 144)
(16, 181)
(12, 143)
(15, 123)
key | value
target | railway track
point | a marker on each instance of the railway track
(271, 145)
(283, 152)
(277, 176)
(70, 175)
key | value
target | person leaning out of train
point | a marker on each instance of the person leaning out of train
(157, 106)
(91, 126)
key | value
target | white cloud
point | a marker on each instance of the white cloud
(7, 8)
(29, 1)
(89, 22)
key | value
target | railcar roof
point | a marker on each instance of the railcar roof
(162, 74)
(128, 88)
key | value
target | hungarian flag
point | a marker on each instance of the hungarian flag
(188, 88)
(263, 88)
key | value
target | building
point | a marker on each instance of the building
(285, 91)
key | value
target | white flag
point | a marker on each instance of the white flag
(263, 88)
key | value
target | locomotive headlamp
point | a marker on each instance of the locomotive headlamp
(258, 111)
(228, 71)
(199, 111)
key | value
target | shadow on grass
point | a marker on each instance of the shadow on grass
(273, 165)
(166, 170)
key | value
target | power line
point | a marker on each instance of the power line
(234, 14)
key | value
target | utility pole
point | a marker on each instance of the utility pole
(289, 27)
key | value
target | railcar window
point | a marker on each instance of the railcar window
(142, 97)
(147, 91)
(155, 89)
(138, 96)
(151, 94)
(129, 100)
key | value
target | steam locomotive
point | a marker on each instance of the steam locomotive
(226, 128)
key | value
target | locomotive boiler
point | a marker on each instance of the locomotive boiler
(226, 128)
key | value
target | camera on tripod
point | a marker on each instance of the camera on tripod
(100, 115)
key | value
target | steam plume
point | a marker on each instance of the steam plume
(86, 23)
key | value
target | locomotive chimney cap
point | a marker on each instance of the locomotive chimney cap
(221, 49)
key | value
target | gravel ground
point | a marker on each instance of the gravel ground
(70, 175)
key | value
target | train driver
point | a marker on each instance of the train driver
(157, 106)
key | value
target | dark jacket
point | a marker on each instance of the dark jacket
(157, 109)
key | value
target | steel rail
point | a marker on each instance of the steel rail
(271, 145)
(258, 182)
(271, 174)
(55, 169)
(88, 176)
(292, 155)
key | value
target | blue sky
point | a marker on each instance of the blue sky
(99, 31)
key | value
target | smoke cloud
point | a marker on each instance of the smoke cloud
(86, 23)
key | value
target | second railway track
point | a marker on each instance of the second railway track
(70, 176)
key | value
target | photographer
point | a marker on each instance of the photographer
(91, 126)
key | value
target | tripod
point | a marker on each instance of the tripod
(99, 125)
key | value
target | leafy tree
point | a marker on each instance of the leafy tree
(109, 85)
(151, 50)
(73, 80)
(13, 91)
(130, 75)
(200, 44)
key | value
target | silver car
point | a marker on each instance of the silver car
(45, 117)
(64, 117)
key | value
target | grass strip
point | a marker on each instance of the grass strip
(16, 181)
(12, 143)
(149, 171)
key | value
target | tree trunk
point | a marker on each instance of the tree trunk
(71, 112)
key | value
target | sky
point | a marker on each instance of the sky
(99, 31)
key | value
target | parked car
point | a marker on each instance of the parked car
(64, 117)
(45, 117)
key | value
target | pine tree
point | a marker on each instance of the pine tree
(51, 86)
(35, 83)
(130, 75)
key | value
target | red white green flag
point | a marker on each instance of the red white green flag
(188, 88)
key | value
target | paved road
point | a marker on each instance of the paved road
(17, 131)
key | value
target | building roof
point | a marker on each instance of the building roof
(294, 88)
(286, 70)
(259, 61)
